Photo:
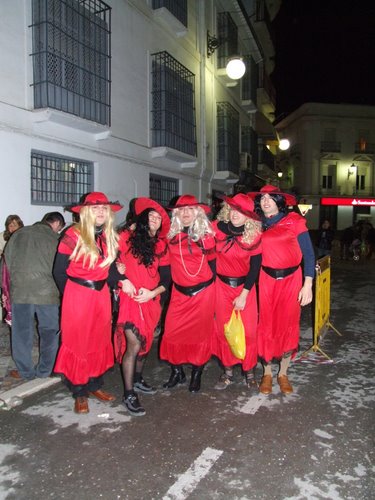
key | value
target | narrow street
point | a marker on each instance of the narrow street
(317, 443)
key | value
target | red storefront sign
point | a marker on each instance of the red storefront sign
(353, 202)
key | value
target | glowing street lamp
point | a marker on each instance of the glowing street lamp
(235, 68)
(284, 144)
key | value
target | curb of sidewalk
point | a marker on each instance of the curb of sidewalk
(13, 397)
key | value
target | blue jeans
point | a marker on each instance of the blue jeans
(23, 328)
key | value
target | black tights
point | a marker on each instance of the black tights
(131, 364)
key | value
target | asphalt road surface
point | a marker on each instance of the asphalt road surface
(317, 443)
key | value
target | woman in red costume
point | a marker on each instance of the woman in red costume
(238, 259)
(282, 290)
(83, 261)
(188, 326)
(143, 252)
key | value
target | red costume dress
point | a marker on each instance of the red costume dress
(279, 309)
(140, 318)
(233, 261)
(86, 349)
(188, 327)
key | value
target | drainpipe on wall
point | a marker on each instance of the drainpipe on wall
(202, 88)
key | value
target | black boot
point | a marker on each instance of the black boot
(195, 381)
(177, 377)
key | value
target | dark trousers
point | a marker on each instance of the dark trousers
(23, 330)
(94, 384)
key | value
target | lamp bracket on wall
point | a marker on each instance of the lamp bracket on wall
(212, 44)
(352, 170)
(235, 67)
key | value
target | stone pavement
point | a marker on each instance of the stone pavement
(6, 361)
(317, 443)
(13, 390)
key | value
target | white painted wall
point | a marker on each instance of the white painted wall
(123, 160)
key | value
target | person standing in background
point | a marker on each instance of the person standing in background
(29, 256)
(325, 238)
(12, 223)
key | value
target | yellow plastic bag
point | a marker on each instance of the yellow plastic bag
(234, 332)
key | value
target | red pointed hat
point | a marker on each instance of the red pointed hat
(144, 203)
(269, 189)
(96, 198)
(242, 203)
(188, 200)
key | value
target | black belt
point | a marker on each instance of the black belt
(94, 285)
(232, 282)
(279, 274)
(193, 290)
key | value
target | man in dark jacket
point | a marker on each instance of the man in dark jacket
(29, 256)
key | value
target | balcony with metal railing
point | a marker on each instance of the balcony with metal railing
(266, 160)
(266, 92)
(262, 16)
(364, 148)
(228, 139)
(249, 84)
(330, 147)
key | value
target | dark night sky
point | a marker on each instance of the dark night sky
(325, 52)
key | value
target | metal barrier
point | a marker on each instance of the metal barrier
(322, 303)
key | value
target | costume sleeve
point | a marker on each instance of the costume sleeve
(307, 250)
(60, 266)
(252, 275)
(114, 276)
(165, 276)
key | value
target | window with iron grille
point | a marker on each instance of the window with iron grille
(249, 144)
(163, 189)
(71, 57)
(58, 180)
(176, 7)
(228, 138)
(173, 105)
(249, 82)
(228, 38)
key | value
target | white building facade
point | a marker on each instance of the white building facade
(124, 97)
(330, 162)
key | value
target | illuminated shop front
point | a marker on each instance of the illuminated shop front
(346, 211)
